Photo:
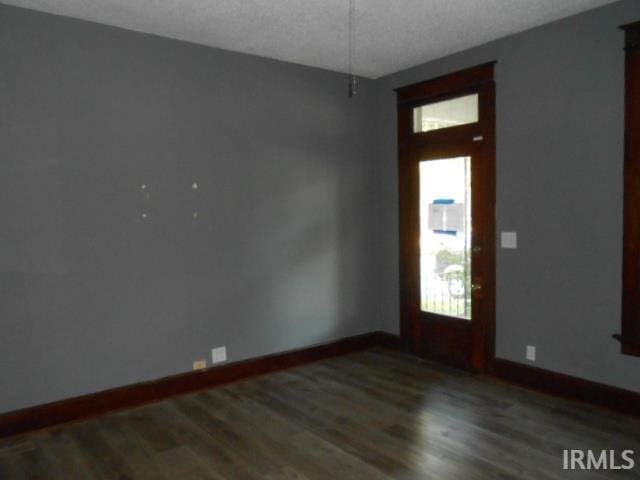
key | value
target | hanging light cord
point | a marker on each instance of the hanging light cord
(352, 77)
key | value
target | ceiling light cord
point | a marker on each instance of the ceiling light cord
(352, 77)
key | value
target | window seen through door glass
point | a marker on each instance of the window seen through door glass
(445, 237)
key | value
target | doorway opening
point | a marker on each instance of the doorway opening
(446, 132)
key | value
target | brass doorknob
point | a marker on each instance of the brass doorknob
(476, 287)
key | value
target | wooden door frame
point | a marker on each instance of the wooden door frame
(629, 336)
(473, 80)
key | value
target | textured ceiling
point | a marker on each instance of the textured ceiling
(390, 34)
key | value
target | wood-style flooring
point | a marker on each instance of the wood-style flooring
(373, 415)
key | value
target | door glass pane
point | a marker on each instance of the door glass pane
(449, 113)
(445, 236)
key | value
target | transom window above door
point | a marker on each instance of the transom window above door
(448, 113)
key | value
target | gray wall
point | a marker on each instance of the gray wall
(296, 237)
(559, 185)
(91, 295)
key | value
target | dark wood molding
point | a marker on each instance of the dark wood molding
(632, 35)
(94, 404)
(446, 85)
(626, 341)
(566, 386)
(630, 333)
(385, 340)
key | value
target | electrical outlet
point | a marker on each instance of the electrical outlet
(219, 355)
(199, 364)
(531, 353)
(509, 240)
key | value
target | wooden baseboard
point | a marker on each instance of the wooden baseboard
(574, 388)
(388, 340)
(91, 405)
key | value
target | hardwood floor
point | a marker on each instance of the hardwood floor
(368, 416)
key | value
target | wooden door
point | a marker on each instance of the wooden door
(447, 217)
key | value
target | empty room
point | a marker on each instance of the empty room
(319, 239)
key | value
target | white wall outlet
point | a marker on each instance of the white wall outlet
(509, 240)
(200, 364)
(219, 355)
(531, 353)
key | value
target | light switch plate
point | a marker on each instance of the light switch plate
(531, 353)
(509, 240)
(219, 355)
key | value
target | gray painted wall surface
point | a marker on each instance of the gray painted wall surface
(559, 185)
(296, 237)
(92, 296)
